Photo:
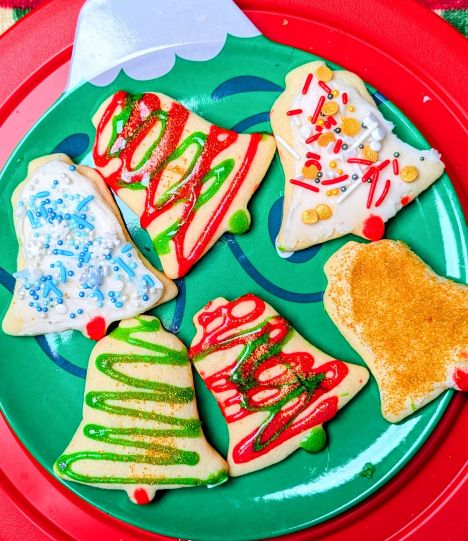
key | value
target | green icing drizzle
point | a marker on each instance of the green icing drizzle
(161, 241)
(116, 403)
(315, 441)
(239, 222)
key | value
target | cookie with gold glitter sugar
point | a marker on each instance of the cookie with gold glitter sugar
(408, 324)
(345, 171)
(140, 430)
(275, 389)
(189, 181)
(77, 266)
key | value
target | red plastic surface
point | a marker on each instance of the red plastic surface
(410, 55)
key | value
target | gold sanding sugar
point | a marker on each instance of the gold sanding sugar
(325, 138)
(350, 126)
(330, 108)
(409, 173)
(324, 73)
(369, 154)
(309, 216)
(412, 320)
(310, 171)
(324, 212)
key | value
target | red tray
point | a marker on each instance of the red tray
(410, 55)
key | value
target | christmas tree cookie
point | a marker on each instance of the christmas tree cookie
(274, 388)
(140, 430)
(409, 324)
(77, 266)
(345, 171)
(189, 181)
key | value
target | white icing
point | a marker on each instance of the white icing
(349, 207)
(76, 257)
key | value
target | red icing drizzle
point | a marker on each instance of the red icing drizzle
(135, 129)
(96, 328)
(460, 378)
(265, 378)
(141, 496)
(373, 228)
(405, 200)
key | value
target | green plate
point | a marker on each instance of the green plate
(42, 378)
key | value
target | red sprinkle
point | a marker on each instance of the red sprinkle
(359, 160)
(313, 155)
(332, 120)
(337, 146)
(141, 496)
(318, 109)
(460, 379)
(405, 200)
(335, 180)
(293, 112)
(325, 87)
(383, 165)
(308, 80)
(304, 185)
(373, 228)
(344, 98)
(96, 328)
(312, 139)
(396, 167)
(318, 128)
(368, 174)
(308, 163)
(373, 186)
(384, 193)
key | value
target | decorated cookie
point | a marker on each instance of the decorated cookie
(77, 267)
(189, 181)
(274, 388)
(140, 430)
(409, 324)
(345, 171)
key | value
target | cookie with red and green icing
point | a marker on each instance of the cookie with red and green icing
(140, 430)
(274, 388)
(188, 180)
(409, 324)
(77, 265)
(345, 170)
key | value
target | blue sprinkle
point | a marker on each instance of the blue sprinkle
(56, 182)
(72, 167)
(118, 305)
(59, 301)
(46, 246)
(81, 222)
(126, 248)
(108, 256)
(42, 194)
(98, 293)
(147, 278)
(84, 203)
(62, 252)
(124, 266)
(111, 293)
(43, 278)
(66, 216)
(39, 309)
(38, 214)
(145, 297)
(52, 265)
(80, 265)
(116, 268)
(72, 315)
(45, 310)
(59, 201)
(70, 273)
(79, 311)
(89, 243)
(60, 242)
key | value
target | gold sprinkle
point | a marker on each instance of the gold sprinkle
(409, 173)
(325, 138)
(351, 108)
(309, 216)
(350, 126)
(339, 171)
(324, 73)
(310, 171)
(324, 212)
(335, 93)
(369, 154)
(330, 108)
(320, 122)
(332, 164)
(333, 192)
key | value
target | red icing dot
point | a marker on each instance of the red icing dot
(405, 200)
(141, 496)
(373, 228)
(96, 328)
(461, 379)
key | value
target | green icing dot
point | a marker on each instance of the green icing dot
(368, 470)
(315, 440)
(239, 222)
